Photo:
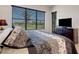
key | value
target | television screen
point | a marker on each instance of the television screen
(67, 22)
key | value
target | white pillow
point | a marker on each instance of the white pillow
(4, 34)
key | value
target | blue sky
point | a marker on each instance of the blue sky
(20, 13)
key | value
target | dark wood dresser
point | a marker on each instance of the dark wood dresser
(70, 34)
(67, 32)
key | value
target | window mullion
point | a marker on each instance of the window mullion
(25, 19)
(36, 19)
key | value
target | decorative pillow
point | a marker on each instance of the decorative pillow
(17, 39)
(5, 34)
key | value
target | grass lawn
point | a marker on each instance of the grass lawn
(29, 25)
(19, 24)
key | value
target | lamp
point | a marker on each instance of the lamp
(2, 23)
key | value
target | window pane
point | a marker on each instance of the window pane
(31, 19)
(40, 24)
(17, 22)
(40, 15)
(40, 20)
(31, 24)
(31, 14)
(18, 13)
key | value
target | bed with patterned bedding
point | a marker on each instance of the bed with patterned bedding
(51, 43)
(17, 41)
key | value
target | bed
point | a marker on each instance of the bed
(19, 41)
(47, 43)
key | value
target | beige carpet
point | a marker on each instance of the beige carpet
(7, 50)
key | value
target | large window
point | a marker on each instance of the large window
(28, 18)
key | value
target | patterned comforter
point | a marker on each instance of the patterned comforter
(51, 43)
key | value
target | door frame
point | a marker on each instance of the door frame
(55, 15)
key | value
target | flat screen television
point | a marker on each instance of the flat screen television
(67, 22)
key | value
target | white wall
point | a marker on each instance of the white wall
(67, 11)
(6, 13)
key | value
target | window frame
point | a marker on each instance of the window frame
(26, 17)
